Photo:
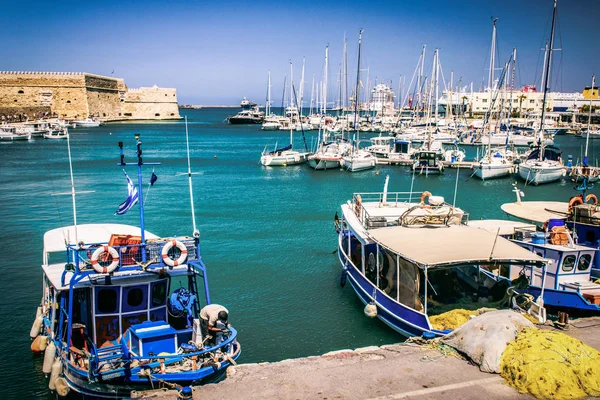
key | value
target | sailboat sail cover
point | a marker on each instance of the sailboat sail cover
(288, 147)
(132, 197)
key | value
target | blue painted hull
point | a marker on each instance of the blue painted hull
(566, 300)
(397, 316)
(121, 389)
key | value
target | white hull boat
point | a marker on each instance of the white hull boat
(87, 123)
(284, 158)
(486, 170)
(360, 160)
(538, 172)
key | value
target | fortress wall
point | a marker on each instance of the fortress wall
(75, 95)
(151, 103)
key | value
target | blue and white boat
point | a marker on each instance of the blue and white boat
(109, 320)
(403, 257)
(565, 283)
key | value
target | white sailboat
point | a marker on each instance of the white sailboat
(584, 170)
(357, 159)
(286, 155)
(428, 158)
(544, 164)
(498, 162)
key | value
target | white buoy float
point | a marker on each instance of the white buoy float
(62, 387)
(371, 310)
(56, 371)
(36, 328)
(49, 357)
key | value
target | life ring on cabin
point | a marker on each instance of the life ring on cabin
(165, 253)
(424, 195)
(593, 197)
(575, 201)
(357, 205)
(105, 269)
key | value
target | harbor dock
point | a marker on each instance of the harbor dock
(397, 371)
(446, 164)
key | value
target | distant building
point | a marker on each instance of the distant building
(75, 95)
(524, 101)
(382, 99)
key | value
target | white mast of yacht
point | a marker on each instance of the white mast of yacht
(587, 138)
(301, 105)
(546, 80)
(268, 105)
(325, 80)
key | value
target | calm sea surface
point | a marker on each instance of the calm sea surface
(267, 233)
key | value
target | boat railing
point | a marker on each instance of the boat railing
(408, 200)
(80, 257)
(115, 361)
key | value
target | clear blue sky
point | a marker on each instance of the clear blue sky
(217, 52)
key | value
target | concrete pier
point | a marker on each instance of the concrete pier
(399, 371)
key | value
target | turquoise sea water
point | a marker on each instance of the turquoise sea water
(267, 233)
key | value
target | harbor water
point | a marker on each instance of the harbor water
(267, 234)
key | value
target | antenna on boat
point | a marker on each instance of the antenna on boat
(196, 233)
(139, 163)
(72, 187)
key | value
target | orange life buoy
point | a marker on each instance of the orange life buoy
(576, 200)
(593, 197)
(424, 195)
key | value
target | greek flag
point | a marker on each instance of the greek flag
(132, 197)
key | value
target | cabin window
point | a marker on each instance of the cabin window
(107, 300)
(128, 114)
(568, 263)
(21, 92)
(135, 298)
(157, 115)
(159, 292)
(584, 262)
(68, 101)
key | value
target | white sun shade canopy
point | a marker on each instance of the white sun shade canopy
(452, 245)
(537, 211)
(56, 239)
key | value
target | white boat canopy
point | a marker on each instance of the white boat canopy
(452, 245)
(506, 227)
(537, 211)
(57, 239)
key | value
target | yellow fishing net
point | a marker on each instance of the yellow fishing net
(551, 365)
(455, 318)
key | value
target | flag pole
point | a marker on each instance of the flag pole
(141, 194)
(139, 164)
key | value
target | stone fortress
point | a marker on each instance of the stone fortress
(78, 95)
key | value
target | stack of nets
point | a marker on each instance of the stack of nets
(455, 318)
(551, 365)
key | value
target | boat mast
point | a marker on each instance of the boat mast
(437, 86)
(492, 55)
(268, 107)
(196, 233)
(546, 79)
(73, 187)
(587, 138)
(325, 80)
(345, 75)
(356, 89)
(312, 94)
(419, 83)
(302, 86)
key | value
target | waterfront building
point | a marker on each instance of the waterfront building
(526, 100)
(78, 95)
(382, 99)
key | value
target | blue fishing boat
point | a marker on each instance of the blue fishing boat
(110, 321)
(404, 258)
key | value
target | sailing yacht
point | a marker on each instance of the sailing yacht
(544, 164)
(357, 159)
